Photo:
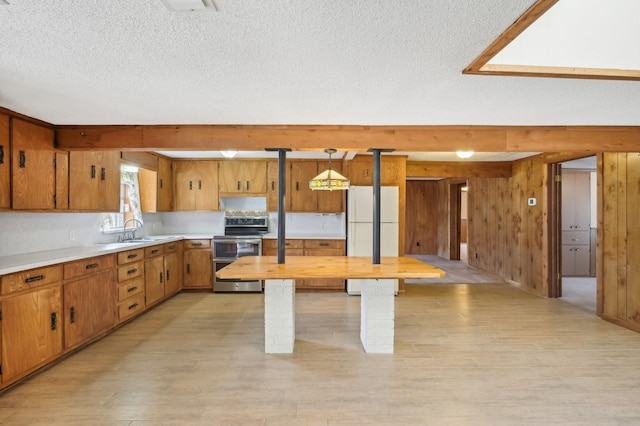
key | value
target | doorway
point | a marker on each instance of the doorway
(576, 245)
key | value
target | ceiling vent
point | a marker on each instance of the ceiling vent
(190, 5)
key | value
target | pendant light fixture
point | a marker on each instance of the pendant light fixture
(329, 180)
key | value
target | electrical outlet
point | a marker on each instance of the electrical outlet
(72, 235)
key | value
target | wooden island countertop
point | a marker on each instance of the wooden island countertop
(299, 267)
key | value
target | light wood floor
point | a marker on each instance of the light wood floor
(481, 354)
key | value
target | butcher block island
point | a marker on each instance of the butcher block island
(377, 305)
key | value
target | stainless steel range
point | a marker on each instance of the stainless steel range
(243, 230)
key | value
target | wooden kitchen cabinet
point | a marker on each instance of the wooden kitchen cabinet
(130, 283)
(5, 158)
(273, 185)
(90, 295)
(196, 185)
(360, 170)
(292, 247)
(31, 321)
(173, 267)
(33, 174)
(576, 223)
(242, 177)
(154, 274)
(94, 180)
(198, 265)
(165, 185)
(62, 180)
(302, 198)
(331, 201)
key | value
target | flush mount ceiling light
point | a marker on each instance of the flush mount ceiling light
(189, 5)
(329, 180)
(229, 153)
(464, 154)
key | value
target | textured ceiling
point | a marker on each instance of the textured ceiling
(383, 62)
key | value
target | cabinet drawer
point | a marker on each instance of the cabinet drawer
(153, 251)
(131, 306)
(575, 237)
(88, 266)
(189, 244)
(132, 270)
(324, 244)
(172, 247)
(287, 252)
(130, 256)
(288, 244)
(130, 288)
(30, 279)
(324, 252)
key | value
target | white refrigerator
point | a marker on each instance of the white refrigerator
(360, 226)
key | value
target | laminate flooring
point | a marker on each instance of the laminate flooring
(476, 354)
(458, 272)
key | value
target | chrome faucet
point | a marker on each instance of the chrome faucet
(136, 222)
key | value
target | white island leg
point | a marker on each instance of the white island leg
(279, 316)
(377, 315)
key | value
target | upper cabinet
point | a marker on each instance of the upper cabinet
(33, 174)
(165, 185)
(330, 201)
(196, 185)
(242, 177)
(360, 170)
(5, 170)
(94, 180)
(303, 199)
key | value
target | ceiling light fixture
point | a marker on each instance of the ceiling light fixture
(329, 180)
(464, 154)
(229, 153)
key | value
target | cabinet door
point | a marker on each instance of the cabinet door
(198, 269)
(62, 180)
(165, 185)
(5, 171)
(243, 177)
(33, 171)
(302, 198)
(360, 172)
(576, 209)
(206, 186)
(31, 331)
(273, 184)
(154, 279)
(330, 201)
(89, 307)
(109, 170)
(172, 273)
(84, 180)
(184, 195)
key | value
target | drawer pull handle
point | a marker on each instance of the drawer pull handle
(273, 186)
(91, 266)
(132, 256)
(23, 160)
(199, 184)
(247, 185)
(1, 154)
(196, 243)
(132, 271)
(161, 183)
(135, 305)
(34, 279)
(103, 173)
(161, 277)
(167, 275)
(172, 246)
(324, 244)
(238, 185)
(93, 171)
(72, 314)
(154, 251)
(54, 320)
(134, 288)
(188, 268)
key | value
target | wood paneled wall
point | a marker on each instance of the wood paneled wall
(619, 234)
(507, 236)
(421, 221)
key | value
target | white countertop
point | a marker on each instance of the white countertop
(25, 261)
(305, 236)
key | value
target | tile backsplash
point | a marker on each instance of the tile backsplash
(31, 232)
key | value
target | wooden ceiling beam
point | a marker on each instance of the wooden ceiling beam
(352, 138)
(465, 169)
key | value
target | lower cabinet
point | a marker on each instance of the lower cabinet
(172, 268)
(31, 322)
(198, 265)
(154, 274)
(90, 295)
(130, 283)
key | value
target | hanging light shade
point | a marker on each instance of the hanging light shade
(329, 180)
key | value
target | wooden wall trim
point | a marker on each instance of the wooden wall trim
(353, 138)
(425, 169)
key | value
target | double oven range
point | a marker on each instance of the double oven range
(243, 232)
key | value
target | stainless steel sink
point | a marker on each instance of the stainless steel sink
(146, 240)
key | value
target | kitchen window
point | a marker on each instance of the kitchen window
(129, 203)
